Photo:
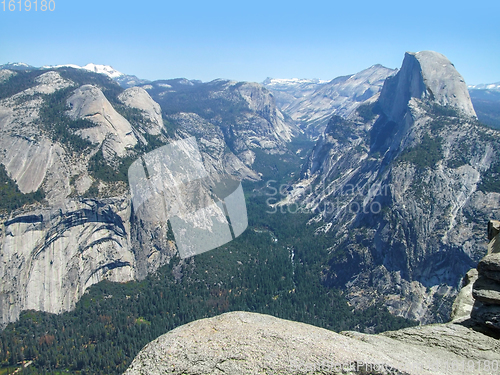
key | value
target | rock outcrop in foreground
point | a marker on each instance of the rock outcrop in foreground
(486, 289)
(249, 343)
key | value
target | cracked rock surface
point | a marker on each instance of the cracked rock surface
(249, 343)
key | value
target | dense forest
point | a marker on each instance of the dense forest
(273, 268)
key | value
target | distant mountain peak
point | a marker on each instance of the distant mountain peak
(16, 66)
(91, 67)
(122, 79)
(20, 64)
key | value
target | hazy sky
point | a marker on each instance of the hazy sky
(252, 40)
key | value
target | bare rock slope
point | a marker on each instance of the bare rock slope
(341, 96)
(139, 98)
(88, 102)
(248, 343)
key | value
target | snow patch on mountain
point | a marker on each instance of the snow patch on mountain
(101, 69)
(485, 86)
(282, 83)
(16, 66)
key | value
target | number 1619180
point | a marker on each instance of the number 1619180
(27, 5)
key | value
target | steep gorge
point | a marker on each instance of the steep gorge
(406, 193)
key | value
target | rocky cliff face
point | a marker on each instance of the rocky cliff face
(49, 257)
(212, 143)
(247, 343)
(425, 75)
(406, 191)
(52, 251)
(341, 96)
(72, 134)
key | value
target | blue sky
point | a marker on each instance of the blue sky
(252, 40)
